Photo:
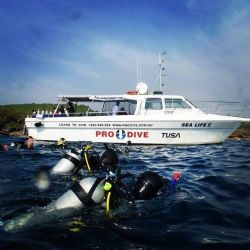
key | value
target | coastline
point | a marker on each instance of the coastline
(15, 133)
(239, 134)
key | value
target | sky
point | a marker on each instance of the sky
(55, 47)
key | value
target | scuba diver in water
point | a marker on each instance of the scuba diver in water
(107, 187)
(107, 192)
(20, 144)
(29, 143)
(87, 159)
(78, 163)
(104, 171)
(4, 147)
(146, 186)
(61, 143)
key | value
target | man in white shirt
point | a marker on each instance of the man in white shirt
(115, 108)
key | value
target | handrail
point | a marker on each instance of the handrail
(224, 108)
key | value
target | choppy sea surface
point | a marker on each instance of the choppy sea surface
(209, 209)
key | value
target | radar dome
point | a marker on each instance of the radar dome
(142, 88)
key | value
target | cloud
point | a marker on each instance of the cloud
(218, 67)
(69, 53)
(118, 62)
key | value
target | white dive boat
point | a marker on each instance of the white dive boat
(142, 118)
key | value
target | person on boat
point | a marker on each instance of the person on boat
(62, 109)
(115, 108)
(66, 112)
(71, 108)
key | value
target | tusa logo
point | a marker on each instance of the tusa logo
(171, 135)
(121, 134)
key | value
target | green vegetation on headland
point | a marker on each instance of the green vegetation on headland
(12, 118)
(242, 132)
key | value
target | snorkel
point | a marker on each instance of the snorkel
(176, 176)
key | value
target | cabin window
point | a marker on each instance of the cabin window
(176, 103)
(153, 104)
(126, 107)
(130, 106)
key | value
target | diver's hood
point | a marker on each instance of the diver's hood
(147, 185)
(110, 159)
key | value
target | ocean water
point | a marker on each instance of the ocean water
(209, 209)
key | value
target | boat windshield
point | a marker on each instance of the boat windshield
(153, 104)
(188, 101)
(176, 103)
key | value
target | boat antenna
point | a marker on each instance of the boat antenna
(138, 73)
(160, 76)
(137, 68)
(162, 69)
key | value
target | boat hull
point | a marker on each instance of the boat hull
(184, 132)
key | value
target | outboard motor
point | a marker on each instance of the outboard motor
(69, 161)
(147, 185)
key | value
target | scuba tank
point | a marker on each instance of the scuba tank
(69, 161)
(75, 160)
(66, 164)
(88, 191)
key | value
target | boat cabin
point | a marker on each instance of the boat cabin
(103, 105)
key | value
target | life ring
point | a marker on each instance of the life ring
(132, 92)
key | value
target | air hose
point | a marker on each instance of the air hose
(87, 148)
(107, 187)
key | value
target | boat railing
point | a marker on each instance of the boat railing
(224, 108)
(98, 113)
(88, 113)
(102, 113)
(77, 114)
